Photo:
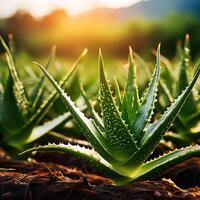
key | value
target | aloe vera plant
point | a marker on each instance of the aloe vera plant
(21, 115)
(123, 137)
(186, 128)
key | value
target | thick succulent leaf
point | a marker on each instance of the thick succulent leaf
(190, 106)
(168, 75)
(185, 64)
(166, 91)
(11, 118)
(131, 100)
(87, 126)
(39, 87)
(91, 157)
(41, 130)
(155, 131)
(121, 103)
(121, 144)
(18, 87)
(145, 111)
(92, 111)
(67, 139)
(11, 45)
(118, 97)
(24, 133)
(159, 165)
(73, 88)
(124, 112)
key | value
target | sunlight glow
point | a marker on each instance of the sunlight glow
(72, 7)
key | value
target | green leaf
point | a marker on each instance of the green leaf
(131, 97)
(159, 165)
(65, 139)
(11, 45)
(190, 106)
(18, 87)
(121, 144)
(94, 114)
(41, 130)
(145, 111)
(25, 131)
(166, 91)
(39, 87)
(118, 98)
(88, 126)
(11, 118)
(155, 131)
(91, 157)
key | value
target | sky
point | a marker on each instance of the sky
(73, 7)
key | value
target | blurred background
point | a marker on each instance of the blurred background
(112, 25)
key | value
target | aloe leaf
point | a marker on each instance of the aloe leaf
(166, 91)
(47, 104)
(11, 118)
(41, 130)
(11, 45)
(185, 64)
(18, 87)
(48, 126)
(118, 97)
(65, 139)
(73, 88)
(158, 165)
(121, 143)
(94, 114)
(131, 97)
(88, 126)
(91, 157)
(39, 87)
(145, 111)
(121, 102)
(190, 106)
(124, 112)
(155, 131)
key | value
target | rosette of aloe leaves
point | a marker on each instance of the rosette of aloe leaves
(186, 127)
(124, 136)
(22, 115)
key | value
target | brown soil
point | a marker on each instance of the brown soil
(185, 175)
(37, 180)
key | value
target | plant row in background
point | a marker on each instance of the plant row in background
(23, 117)
(121, 127)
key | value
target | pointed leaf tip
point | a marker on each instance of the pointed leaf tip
(85, 51)
(187, 36)
(158, 50)
(100, 57)
(130, 50)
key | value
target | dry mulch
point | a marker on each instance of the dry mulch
(39, 180)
